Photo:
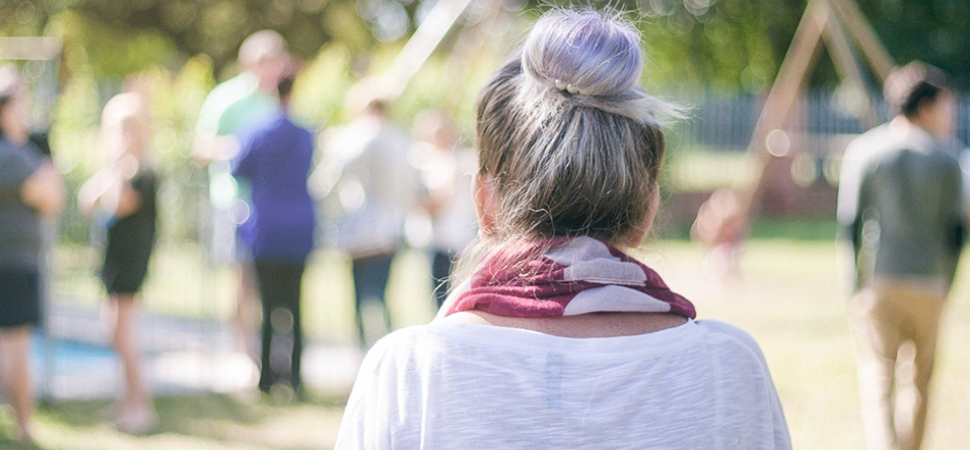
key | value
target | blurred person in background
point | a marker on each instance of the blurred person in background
(446, 170)
(30, 189)
(231, 109)
(11, 82)
(561, 339)
(900, 211)
(121, 196)
(720, 227)
(274, 159)
(375, 187)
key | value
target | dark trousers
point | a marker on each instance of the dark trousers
(440, 272)
(370, 282)
(279, 291)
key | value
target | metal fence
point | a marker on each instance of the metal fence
(726, 124)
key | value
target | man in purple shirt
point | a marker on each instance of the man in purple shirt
(274, 157)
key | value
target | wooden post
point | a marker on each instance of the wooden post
(860, 30)
(792, 75)
(823, 19)
(846, 64)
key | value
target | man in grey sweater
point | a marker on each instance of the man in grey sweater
(900, 208)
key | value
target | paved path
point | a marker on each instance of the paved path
(183, 356)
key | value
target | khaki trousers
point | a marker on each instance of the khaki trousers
(895, 325)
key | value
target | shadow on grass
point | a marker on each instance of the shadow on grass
(209, 416)
(171, 411)
(8, 443)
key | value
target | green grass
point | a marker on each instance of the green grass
(794, 229)
(790, 298)
(205, 422)
(771, 229)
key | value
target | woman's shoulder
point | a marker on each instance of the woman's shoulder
(401, 348)
(730, 339)
(717, 329)
(399, 336)
(397, 342)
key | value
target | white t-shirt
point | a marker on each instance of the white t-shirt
(376, 187)
(700, 385)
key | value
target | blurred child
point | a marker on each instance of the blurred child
(445, 170)
(123, 194)
(721, 228)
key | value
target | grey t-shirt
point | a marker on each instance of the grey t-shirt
(20, 234)
(901, 206)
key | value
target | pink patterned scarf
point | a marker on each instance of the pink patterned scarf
(575, 276)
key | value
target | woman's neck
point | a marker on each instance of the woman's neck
(596, 325)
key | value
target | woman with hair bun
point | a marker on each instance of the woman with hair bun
(560, 339)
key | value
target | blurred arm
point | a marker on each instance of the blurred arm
(956, 217)
(244, 162)
(129, 200)
(44, 190)
(110, 193)
(851, 203)
(214, 148)
(90, 194)
(329, 170)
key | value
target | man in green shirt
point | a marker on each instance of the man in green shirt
(901, 210)
(232, 107)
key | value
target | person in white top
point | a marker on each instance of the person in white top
(375, 187)
(560, 339)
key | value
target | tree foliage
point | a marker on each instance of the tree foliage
(717, 45)
(739, 44)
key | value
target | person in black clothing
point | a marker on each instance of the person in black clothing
(123, 194)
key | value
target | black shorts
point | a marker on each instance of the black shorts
(126, 257)
(124, 274)
(19, 297)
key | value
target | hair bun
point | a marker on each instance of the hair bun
(584, 52)
(594, 58)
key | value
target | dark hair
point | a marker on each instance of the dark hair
(910, 86)
(285, 86)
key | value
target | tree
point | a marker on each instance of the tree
(718, 45)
